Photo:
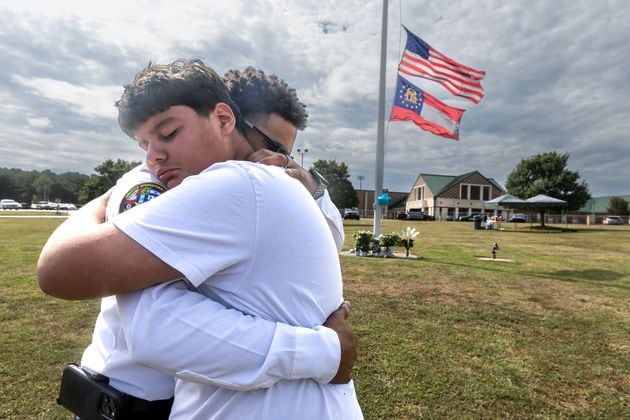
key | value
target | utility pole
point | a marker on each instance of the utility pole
(360, 178)
(302, 153)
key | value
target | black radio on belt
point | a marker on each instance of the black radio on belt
(89, 396)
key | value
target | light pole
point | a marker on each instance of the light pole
(361, 178)
(302, 153)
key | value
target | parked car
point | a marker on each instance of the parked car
(415, 214)
(518, 218)
(67, 206)
(46, 205)
(7, 204)
(612, 220)
(351, 214)
(471, 216)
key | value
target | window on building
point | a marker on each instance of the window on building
(418, 193)
(486, 192)
(475, 192)
(463, 192)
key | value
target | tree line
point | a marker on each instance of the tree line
(29, 187)
(545, 173)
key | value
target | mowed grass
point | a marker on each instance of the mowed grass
(446, 335)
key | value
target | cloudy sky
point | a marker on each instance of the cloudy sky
(557, 78)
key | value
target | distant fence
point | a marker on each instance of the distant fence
(571, 219)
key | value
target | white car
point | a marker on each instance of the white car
(612, 220)
(6, 204)
(518, 218)
(352, 213)
(67, 206)
(47, 205)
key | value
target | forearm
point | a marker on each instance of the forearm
(55, 271)
(223, 347)
(85, 258)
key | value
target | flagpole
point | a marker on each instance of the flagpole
(380, 135)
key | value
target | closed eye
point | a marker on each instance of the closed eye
(170, 136)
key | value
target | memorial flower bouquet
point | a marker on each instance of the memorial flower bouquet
(363, 240)
(407, 238)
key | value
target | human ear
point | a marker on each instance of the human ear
(225, 115)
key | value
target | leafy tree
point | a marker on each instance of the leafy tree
(7, 184)
(23, 181)
(547, 174)
(340, 188)
(33, 186)
(43, 184)
(107, 173)
(618, 205)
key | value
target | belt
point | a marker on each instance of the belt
(143, 409)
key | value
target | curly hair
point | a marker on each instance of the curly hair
(254, 92)
(161, 86)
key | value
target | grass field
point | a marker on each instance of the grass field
(446, 335)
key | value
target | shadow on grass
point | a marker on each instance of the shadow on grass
(539, 229)
(592, 276)
(557, 229)
(589, 274)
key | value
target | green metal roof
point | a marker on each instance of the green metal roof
(600, 204)
(440, 183)
(436, 183)
(400, 204)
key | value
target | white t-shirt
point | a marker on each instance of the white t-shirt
(265, 350)
(252, 238)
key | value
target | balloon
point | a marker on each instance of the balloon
(383, 200)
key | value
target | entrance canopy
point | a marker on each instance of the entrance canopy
(542, 200)
(506, 200)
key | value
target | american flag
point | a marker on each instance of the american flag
(421, 60)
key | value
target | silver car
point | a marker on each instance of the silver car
(612, 220)
(7, 204)
(415, 214)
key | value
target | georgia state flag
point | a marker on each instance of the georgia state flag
(430, 114)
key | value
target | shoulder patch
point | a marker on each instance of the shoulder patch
(141, 193)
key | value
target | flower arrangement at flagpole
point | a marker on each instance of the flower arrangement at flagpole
(363, 240)
(388, 241)
(407, 238)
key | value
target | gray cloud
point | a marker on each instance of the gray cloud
(555, 79)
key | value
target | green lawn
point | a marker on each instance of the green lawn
(447, 335)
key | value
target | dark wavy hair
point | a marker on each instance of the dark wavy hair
(161, 86)
(255, 92)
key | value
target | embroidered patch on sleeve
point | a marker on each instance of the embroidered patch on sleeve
(139, 194)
